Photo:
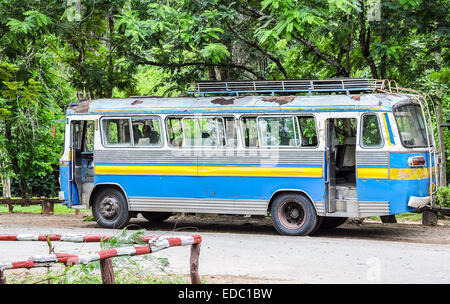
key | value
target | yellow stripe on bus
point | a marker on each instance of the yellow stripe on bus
(387, 130)
(208, 170)
(373, 172)
(410, 173)
(402, 174)
(260, 171)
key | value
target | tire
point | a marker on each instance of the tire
(332, 222)
(293, 214)
(156, 217)
(110, 209)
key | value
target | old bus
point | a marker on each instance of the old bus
(307, 153)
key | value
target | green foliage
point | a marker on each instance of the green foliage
(215, 52)
(443, 196)
(51, 51)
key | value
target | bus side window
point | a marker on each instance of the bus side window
(203, 132)
(277, 131)
(250, 131)
(146, 132)
(175, 131)
(230, 132)
(371, 136)
(88, 140)
(308, 132)
(116, 132)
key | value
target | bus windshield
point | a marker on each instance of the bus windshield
(411, 125)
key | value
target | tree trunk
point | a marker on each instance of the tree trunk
(212, 73)
(364, 42)
(24, 191)
(6, 183)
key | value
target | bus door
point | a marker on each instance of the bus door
(373, 165)
(81, 167)
(341, 164)
(330, 155)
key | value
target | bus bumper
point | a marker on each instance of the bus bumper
(418, 201)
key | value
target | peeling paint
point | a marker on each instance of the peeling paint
(356, 97)
(137, 101)
(281, 100)
(223, 101)
(81, 107)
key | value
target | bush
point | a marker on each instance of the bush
(443, 196)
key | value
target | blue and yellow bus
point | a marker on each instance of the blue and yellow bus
(307, 153)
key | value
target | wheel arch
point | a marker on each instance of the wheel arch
(100, 186)
(284, 191)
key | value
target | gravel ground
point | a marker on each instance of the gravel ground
(402, 253)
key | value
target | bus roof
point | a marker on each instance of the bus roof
(240, 104)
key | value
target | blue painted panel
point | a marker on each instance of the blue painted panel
(396, 192)
(64, 177)
(65, 172)
(218, 187)
(400, 160)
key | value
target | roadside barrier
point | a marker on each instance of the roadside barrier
(154, 244)
(74, 238)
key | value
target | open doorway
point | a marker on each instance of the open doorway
(345, 144)
(341, 161)
(82, 147)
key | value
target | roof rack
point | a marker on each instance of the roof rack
(342, 85)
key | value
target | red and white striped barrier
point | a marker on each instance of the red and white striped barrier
(75, 238)
(72, 259)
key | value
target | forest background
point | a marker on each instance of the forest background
(55, 53)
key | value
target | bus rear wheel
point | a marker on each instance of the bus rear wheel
(110, 209)
(293, 214)
(156, 217)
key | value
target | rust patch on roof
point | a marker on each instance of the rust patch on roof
(356, 97)
(281, 100)
(223, 101)
(81, 107)
(137, 101)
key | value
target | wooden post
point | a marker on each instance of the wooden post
(2, 277)
(10, 208)
(107, 271)
(195, 253)
(47, 207)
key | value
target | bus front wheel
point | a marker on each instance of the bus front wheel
(110, 209)
(293, 214)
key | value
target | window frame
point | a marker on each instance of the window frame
(427, 135)
(216, 118)
(316, 128)
(130, 127)
(296, 131)
(293, 115)
(161, 130)
(193, 116)
(361, 132)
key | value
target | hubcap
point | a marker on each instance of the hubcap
(109, 206)
(291, 214)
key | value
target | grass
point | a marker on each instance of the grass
(87, 275)
(58, 209)
(404, 217)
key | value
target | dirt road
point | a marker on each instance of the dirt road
(248, 250)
